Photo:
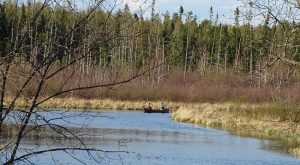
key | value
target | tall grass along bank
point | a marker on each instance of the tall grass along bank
(270, 121)
(107, 104)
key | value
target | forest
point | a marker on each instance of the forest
(188, 59)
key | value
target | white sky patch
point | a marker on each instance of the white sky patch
(136, 4)
(200, 8)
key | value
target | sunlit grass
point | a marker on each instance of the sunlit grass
(295, 151)
(271, 121)
(105, 104)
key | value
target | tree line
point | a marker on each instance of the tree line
(178, 40)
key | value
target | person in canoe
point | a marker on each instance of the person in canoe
(163, 107)
(150, 105)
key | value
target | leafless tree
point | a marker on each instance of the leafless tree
(286, 14)
(283, 52)
(44, 66)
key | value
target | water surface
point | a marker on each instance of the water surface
(153, 139)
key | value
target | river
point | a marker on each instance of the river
(152, 139)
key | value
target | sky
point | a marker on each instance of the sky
(200, 8)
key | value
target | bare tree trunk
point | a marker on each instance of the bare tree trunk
(238, 55)
(219, 51)
(149, 57)
(251, 52)
(3, 90)
(186, 52)
(212, 50)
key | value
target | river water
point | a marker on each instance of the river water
(152, 139)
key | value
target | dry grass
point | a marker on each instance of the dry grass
(107, 104)
(263, 117)
(265, 120)
(295, 151)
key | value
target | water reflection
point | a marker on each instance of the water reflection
(275, 143)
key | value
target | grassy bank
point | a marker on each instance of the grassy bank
(268, 121)
(107, 104)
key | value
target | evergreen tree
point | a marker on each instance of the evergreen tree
(3, 30)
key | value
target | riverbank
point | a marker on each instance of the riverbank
(107, 104)
(267, 121)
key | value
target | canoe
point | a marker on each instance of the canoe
(147, 110)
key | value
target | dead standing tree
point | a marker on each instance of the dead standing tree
(283, 53)
(30, 58)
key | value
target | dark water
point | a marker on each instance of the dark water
(153, 139)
